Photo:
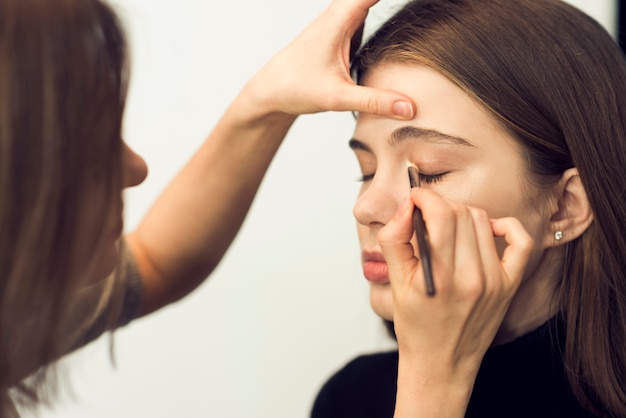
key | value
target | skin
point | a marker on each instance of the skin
(481, 166)
(474, 188)
(186, 232)
(102, 264)
(188, 229)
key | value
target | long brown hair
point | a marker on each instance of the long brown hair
(63, 84)
(557, 81)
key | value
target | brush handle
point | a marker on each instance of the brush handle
(422, 237)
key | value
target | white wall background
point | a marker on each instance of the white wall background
(288, 305)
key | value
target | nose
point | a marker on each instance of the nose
(134, 167)
(379, 200)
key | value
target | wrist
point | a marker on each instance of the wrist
(432, 390)
(256, 105)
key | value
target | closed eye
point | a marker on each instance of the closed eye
(432, 178)
(424, 178)
(365, 178)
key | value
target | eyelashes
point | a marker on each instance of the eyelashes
(365, 178)
(432, 178)
(424, 178)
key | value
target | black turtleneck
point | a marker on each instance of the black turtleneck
(523, 378)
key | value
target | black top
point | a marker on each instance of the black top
(523, 378)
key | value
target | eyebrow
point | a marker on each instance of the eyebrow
(407, 133)
(411, 133)
(355, 145)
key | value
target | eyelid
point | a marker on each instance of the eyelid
(425, 178)
(432, 178)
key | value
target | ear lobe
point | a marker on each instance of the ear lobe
(573, 214)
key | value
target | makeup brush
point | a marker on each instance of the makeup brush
(422, 236)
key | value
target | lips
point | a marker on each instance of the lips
(375, 268)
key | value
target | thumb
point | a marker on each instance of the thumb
(395, 242)
(384, 103)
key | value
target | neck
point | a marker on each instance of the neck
(534, 302)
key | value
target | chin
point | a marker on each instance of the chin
(381, 300)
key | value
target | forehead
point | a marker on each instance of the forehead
(441, 104)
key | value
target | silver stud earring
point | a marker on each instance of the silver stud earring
(558, 235)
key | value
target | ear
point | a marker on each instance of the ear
(573, 213)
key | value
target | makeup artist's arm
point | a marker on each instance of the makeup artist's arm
(191, 225)
(443, 338)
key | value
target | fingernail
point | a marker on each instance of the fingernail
(403, 109)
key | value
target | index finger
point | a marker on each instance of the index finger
(519, 246)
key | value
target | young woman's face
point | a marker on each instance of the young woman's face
(460, 151)
(104, 258)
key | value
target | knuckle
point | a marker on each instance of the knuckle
(384, 237)
(474, 288)
(372, 103)
(443, 215)
(527, 243)
(524, 241)
(462, 213)
(480, 215)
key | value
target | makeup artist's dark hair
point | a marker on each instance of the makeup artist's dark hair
(63, 81)
(557, 81)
